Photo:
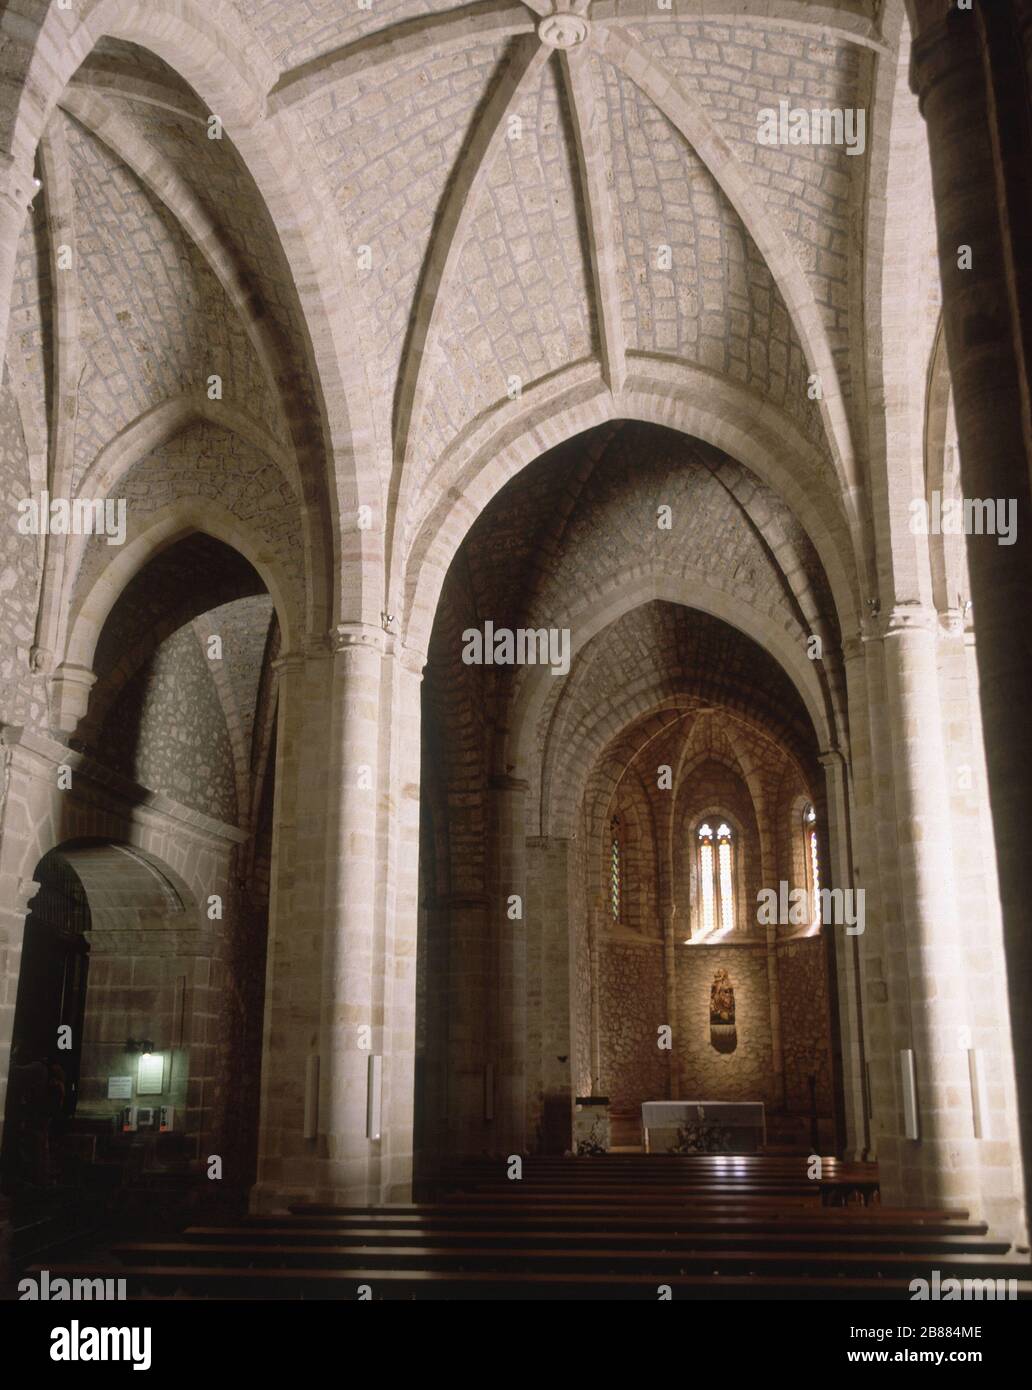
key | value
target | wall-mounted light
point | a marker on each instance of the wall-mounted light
(374, 1097)
(143, 1045)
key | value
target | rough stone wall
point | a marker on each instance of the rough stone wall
(632, 1009)
(747, 1072)
(639, 862)
(168, 730)
(803, 992)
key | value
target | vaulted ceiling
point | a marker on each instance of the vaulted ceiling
(513, 200)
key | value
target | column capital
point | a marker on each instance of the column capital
(17, 894)
(315, 644)
(289, 663)
(908, 617)
(411, 660)
(351, 636)
(833, 757)
(952, 621)
(18, 184)
(70, 687)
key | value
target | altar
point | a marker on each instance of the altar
(703, 1126)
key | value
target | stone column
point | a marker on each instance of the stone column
(552, 976)
(352, 1027)
(403, 681)
(286, 1160)
(669, 922)
(886, 1004)
(15, 895)
(595, 929)
(940, 1167)
(965, 70)
(846, 955)
(509, 1024)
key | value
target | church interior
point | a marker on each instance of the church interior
(513, 647)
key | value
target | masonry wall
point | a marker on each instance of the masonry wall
(550, 982)
(746, 1073)
(803, 988)
(632, 1009)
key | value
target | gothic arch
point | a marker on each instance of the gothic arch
(73, 677)
(690, 401)
(213, 50)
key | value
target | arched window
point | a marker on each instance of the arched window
(813, 867)
(615, 868)
(716, 878)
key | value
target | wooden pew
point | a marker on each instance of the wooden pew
(230, 1283)
(831, 1262)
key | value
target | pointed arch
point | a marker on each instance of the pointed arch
(210, 46)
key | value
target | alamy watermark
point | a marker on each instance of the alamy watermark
(938, 1289)
(73, 516)
(965, 516)
(524, 646)
(785, 907)
(817, 125)
(79, 1343)
(48, 1290)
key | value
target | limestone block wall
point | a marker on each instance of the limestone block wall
(639, 864)
(134, 994)
(144, 944)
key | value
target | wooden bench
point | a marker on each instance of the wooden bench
(714, 1239)
(220, 1282)
(579, 1229)
(607, 1258)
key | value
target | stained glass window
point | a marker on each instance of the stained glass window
(810, 828)
(709, 920)
(727, 897)
(716, 879)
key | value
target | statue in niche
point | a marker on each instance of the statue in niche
(723, 1035)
